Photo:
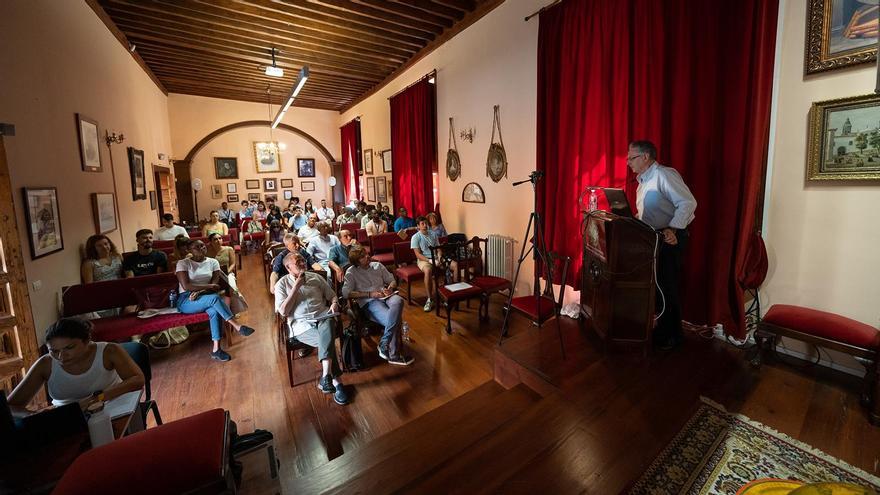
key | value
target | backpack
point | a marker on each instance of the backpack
(352, 353)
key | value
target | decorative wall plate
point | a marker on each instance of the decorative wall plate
(473, 193)
(496, 161)
(453, 162)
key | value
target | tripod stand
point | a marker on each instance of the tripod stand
(538, 250)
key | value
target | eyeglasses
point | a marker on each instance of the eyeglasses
(631, 158)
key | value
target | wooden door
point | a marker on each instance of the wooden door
(18, 340)
(165, 193)
(185, 200)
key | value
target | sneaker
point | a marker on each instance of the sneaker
(340, 397)
(429, 305)
(401, 360)
(326, 384)
(383, 352)
(220, 355)
(245, 331)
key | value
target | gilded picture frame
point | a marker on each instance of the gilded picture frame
(267, 157)
(840, 33)
(844, 140)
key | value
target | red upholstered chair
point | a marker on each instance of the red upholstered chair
(827, 330)
(362, 238)
(442, 258)
(351, 226)
(489, 284)
(407, 268)
(544, 306)
(253, 239)
(190, 455)
(382, 247)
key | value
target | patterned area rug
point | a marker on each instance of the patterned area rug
(718, 452)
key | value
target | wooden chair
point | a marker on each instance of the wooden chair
(542, 306)
(445, 260)
(407, 268)
(489, 284)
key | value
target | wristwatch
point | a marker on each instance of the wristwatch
(99, 396)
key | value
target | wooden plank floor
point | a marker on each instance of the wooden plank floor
(611, 416)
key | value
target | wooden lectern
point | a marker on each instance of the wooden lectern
(617, 278)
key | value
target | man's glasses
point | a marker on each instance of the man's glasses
(631, 158)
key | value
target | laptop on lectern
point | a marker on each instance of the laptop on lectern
(617, 202)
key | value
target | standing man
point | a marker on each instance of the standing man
(168, 231)
(665, 203)
(403, 222)
(325, 214)
(145, 261)
(421, 244)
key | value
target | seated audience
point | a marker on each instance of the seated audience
(309, 230)
(168, 231)
(371, 286)
(361, 215)
(319, 248)
(298, 219)
(102, 262)
(325, 214)
(435, 225)
(346, 217)
(376, 225)
(274, 214)
(339, 254)
(403, 222)
(227, 216)
(260, 212)
(246, 210)
(199, 278)
(181, 250)
(294, 201)
(387, 216)
(215, 225)
(421, 244)
(300, 295)
(308, 208)
(225, 255)
(270, 203)
(146, 261)
(76, 369)
(274, 233)
(292, 244)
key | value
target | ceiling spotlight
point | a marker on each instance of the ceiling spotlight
(273, 70)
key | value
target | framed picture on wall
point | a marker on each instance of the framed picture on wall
(225, 168)
(371, 189)
(154, 202)
(288, 194)
(473, 193)
(253, 196)
(386, 161)
(307, 185)
(368, 161)
(232, 198)
(252, 184)
(270, 185)
(305, 167)
(89, 145)
(286, 183)
(840, 33)
(43, 220)
(138, 180)
(104, 212)
(216, 191)
(232, 188)
(381, 189)
(267, 157)
(844, 141)
(270, 197)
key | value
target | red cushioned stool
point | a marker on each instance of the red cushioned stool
(189, 455)
(831, 331)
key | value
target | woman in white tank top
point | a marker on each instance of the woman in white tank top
(77, 369)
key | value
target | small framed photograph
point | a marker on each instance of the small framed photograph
(216, 191)
(138, 179)
(288, 194)
(307, 185)
(286, 183)
(371, 189)
(154, 202)
(270, 197)
(381, 189)
(89, 145)
(267, 157)
(270, 185)
(104, 212)
(225, 168)
(232, 198)
(368, 161)
(844, 141)
(253, 196)
(252, 184)
(386, 161)
(232, 188)
(43, 221)
(305, 167)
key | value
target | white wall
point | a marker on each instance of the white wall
(58, 59)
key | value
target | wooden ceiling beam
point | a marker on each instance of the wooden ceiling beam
(408, 11)
(347, 7)
(279, 91)
(368, 18)
(193, 83)
(230, 96)
(463, 5)
(434, 8)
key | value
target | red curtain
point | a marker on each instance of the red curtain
(351, 158)
(693, 77)
(414, 147)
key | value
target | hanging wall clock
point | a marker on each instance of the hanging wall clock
(453, 162)
(496, 162)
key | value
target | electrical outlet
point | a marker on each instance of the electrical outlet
(38, 284)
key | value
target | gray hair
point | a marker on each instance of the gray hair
(646, 147)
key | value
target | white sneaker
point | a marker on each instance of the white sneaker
(429, 305)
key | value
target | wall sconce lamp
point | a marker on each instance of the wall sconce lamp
(468, 135)
(378, 154)
(114, 138)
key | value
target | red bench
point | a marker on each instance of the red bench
(109, 294)
(831, 331)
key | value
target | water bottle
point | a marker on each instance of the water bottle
(100, 429)
(594, 200)
(172, 298)
(405, 332)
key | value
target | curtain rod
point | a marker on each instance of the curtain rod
(426, 76)
(542, 9)
(356, 118)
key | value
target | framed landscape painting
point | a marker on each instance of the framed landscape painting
(104, 210)
(43, 220)
(89, 149)
(267, 157)
(840, 33)
(225, 168)
(844, 141)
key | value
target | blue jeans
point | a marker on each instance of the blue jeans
(388, 314)
(212, 304)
